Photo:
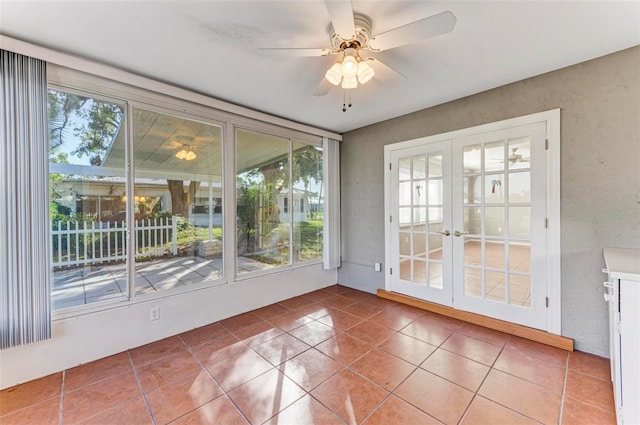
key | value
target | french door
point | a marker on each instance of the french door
(422, 205)
(468, 223)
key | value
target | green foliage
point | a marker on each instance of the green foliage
(94, 123)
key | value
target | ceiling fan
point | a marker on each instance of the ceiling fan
(516, 157)
(351, 37)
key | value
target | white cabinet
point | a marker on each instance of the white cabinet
(623, 296)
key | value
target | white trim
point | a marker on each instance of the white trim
(554, 271)
(552, 120)
(106, 71)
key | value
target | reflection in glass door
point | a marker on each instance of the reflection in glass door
(421, 228)
(498, 233)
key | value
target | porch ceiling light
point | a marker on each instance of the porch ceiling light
(186, 153)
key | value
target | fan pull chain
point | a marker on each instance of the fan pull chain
(344, 101)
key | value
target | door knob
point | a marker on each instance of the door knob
(446, 233)
(458, 233)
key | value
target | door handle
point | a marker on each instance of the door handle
(446, 233)
(459, 233)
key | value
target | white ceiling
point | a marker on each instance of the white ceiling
(211, 47)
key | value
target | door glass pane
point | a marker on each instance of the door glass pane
(494, 156)
(472, 252)
(404, 169)
(419, 167)
(435, 164)
(419, 219)
(178, 169)
(493, 188)
(494, 254)
(473, 282)
(520, 187)
(494, 221)
(405, 269)
(472, 219)
(471, 190)
(404, 218)
(520, 222)
(520, 290)
(435, 275)
(435, 192)
(520, 256)
(435, 219)
(419, 245)
(404, 193)
(419, 272)
(262, 164)
(419, 193)
(87, 195)
(472, 159)
(404, 242)
(520, 153)
(494, 286)
(435, 247)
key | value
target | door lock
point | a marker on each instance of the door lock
(459, 233)
(446, 233)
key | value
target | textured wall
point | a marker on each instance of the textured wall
(600, 169)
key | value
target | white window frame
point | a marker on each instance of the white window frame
(77, 82)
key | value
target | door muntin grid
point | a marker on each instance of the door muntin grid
(420, 217)
(497, 219)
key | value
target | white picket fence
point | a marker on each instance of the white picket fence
(75, 243)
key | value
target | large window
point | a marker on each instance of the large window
(175, 206)
(138, 206)
(279, 202)
(178, 185)
(87, 192)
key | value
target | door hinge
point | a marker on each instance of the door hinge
(546, 144)
(619, 327)
(389, 166)
(390, 270)
(390, 219)
(547, 301)
(546, 223)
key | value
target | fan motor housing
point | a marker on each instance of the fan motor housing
(360, 41)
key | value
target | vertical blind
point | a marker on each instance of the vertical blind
(25, 306)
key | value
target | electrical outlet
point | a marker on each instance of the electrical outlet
(377, 267)
(154, 313)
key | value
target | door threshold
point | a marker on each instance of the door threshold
(477, 319)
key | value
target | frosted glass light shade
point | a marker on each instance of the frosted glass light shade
(349, 67)
(349, 82)
(365, 72)
(334, 74)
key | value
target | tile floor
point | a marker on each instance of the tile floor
(333, 356)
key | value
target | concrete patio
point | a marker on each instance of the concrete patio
(89, 284)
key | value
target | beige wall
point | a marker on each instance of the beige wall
(600, 169)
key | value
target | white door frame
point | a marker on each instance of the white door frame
(552, 177)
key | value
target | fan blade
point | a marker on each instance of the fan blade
(386, 74)
(323, 88)
(432, 26)
(341, 14)
(284, 52)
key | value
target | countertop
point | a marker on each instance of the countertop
(623, 263)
